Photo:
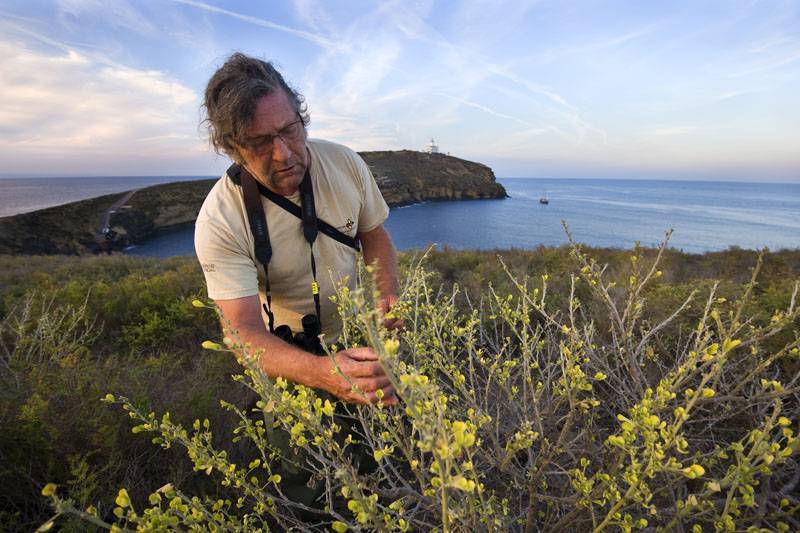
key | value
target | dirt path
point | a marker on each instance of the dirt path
(105, 217)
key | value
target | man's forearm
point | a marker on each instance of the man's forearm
(280, 359)
(378, 247)
(357, 377)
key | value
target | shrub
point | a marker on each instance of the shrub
(517, 414)
(53, 368)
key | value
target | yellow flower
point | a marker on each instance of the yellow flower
(730, 344)
(462, 483)
(380, 454)
(600, 376)
(49, 489)
(123, 500)
(615, 440)
(391, 346)
(652, 420)
(693, 471)
(211, 345)
(708, 393)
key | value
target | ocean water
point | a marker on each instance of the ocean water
(600, 212)
(616, 213)
(704, 215)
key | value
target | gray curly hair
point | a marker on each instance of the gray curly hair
(231, 97)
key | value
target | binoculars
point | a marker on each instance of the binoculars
(308, 339)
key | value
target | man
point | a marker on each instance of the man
(257, 120)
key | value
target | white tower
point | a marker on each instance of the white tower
(432, 148)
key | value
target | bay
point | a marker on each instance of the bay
(705, 216)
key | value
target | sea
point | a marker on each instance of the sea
(703, 215)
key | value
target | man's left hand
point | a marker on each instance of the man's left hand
(385, 305)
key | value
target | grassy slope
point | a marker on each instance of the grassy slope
(147, 347)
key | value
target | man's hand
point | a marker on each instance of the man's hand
(357, 367)
(385, 306)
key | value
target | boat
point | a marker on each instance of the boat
(544, 200)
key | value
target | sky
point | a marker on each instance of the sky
(694, 89)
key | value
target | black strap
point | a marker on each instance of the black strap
(235, 171)
(258, 227)
(260, 231)
(309, 217)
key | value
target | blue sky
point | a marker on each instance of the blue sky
(626, 89)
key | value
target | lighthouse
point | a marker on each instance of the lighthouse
(432, 148)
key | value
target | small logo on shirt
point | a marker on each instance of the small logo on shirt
(209, 267)
(348, 226)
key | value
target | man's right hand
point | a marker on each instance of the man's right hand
(357, 367)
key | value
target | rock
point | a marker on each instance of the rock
(407, 177)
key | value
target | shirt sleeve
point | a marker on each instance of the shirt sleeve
(374, 210)
(229, 270)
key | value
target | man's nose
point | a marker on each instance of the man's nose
(280, 150)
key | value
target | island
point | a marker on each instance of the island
(112, 222)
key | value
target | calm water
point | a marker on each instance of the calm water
(705, 215)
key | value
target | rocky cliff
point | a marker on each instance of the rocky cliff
(408, 177)
(404, 177)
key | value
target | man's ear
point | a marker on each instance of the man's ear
(236, 154)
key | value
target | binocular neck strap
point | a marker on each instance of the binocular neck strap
(310, 231)
(260, 231)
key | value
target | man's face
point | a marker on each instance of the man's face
(282, 164)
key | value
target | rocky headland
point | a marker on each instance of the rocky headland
(113, 221)
(408, 177)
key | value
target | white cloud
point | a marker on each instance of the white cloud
(774, 61)
(671, 131)
(313, 14)
(117, 13)
(315, 38)
(68, 107)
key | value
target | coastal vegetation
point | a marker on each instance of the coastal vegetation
(569, 387)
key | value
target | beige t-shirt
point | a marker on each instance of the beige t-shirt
(345, 196)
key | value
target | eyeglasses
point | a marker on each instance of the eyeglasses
(290, 133)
